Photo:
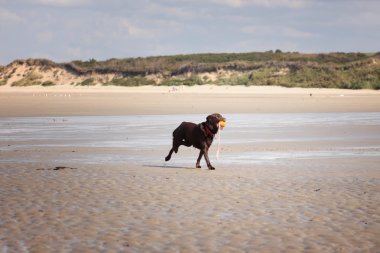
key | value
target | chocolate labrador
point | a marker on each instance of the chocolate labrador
(199, 136)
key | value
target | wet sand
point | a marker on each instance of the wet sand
(143, 209)
(285, 182)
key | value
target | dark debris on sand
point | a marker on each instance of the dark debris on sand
(58, 168)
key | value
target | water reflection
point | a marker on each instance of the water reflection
(140, 139)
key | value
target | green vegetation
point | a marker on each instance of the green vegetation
(48, 83)
(132, 81)
(193, 80)
(207, 62)
(30, 79)
(306, 76)
(3, 82)
(88, 82)
(189, 81)
(288, 69)
(334, 70)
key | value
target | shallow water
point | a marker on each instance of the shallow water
(247, 139)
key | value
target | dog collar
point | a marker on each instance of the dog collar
(208, 131)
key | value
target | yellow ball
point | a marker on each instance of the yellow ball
(222, 123)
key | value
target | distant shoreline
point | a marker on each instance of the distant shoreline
(205, 88)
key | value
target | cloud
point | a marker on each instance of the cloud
(9, 16)
(231, 3)
(262, 45)
(74, 52)
(83, 29)
(171, 11)
(294, 33)
(134, 30)
(365, 18)
(286, 32)
(262, 3)
(61, 3)
(45, 36)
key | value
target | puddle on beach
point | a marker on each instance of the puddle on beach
(147, 139)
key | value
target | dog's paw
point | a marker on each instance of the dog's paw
(198, 166)
(211, 168)
(167, 159)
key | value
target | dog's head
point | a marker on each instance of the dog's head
(213, 121)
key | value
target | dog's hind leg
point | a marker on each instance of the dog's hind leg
(198, 165)
(185, 143)
(167, 158)
(175, 147)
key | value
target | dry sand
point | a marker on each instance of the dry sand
(68, 100)
(308, 205)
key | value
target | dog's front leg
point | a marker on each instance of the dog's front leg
(207, 159)
(198, 165)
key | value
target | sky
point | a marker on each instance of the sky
(66, 30)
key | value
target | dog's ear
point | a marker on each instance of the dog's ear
(212, 119)
(215, 118)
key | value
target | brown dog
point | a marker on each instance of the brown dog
(199, 136)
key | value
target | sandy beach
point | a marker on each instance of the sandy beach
(82, 170)
(67, 100)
